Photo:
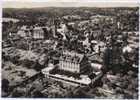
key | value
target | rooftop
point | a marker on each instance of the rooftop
(37, 28)
(72, 56)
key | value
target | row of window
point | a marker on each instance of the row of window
(69, 66)
(38, 35)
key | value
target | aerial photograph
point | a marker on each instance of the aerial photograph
(69, 50)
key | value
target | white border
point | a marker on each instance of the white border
(135, 2)
(92, 3)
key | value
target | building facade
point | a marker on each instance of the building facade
(70, 66)
(72, 62)
(38, 33)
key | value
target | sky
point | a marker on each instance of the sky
(70, 3)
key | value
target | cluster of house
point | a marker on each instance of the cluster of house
(72, 61)
(38, 32)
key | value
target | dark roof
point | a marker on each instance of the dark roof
(95, 58)
(72, 57)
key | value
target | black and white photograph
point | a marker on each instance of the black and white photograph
(70, 50)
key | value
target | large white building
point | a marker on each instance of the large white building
(72, 62)
(38, 33)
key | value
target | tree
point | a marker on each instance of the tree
(18, 92)
(37, 94)
(107, 58)
(5, 85)
(80, 93)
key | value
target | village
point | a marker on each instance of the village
(71, 57)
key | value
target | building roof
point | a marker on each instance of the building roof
(37, 28)
(10, 19)
(24, 27)
(99, 16)
(95, 58)
(72, 17)
(72, 57)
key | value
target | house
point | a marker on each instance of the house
(62, 30)
(95, 58)
(24, 31)
(98, 18)
(73, 62)
(71, 17)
